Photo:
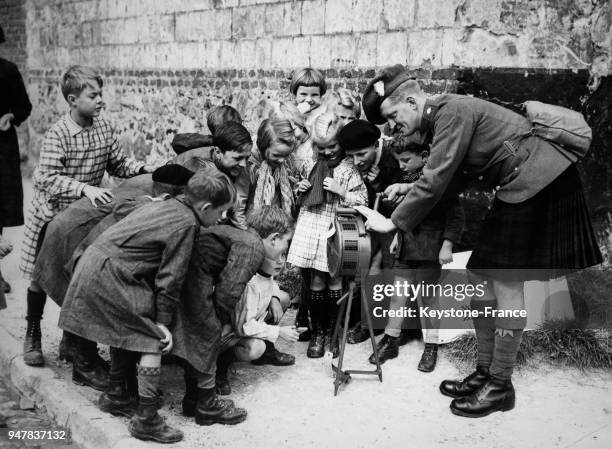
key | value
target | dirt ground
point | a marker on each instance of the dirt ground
(295, 406)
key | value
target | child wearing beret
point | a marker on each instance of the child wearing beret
(334, 181)
(378, 168)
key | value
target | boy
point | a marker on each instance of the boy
(422, 251)
(76, 151)
(127, 286)
(216, 116)
(232, 145)
(255, 320)
(379, 169)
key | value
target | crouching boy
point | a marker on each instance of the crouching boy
(255, 321)
(127, 286)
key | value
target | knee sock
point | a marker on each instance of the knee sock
(122, 364)
(318, 312)
(485, 332)
(36, 305)
(507, 343)
(332, 307)
(148, 381)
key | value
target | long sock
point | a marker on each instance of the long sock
(507, 343)
(485, 332)
(36, 305)
(122, 364)
(332, 307)
(148, 381)
(318, 312)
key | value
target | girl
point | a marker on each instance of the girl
(275, 143)
(307, 88)
(344, 104)
(333, 181)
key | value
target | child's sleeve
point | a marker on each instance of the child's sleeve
(119, 164)
(454, 220)
(172, 271)
(243, 260)
(49, 175)
(356, 191)
(246, 323)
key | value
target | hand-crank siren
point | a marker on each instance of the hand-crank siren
(349, 252)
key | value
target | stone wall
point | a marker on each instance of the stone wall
(167, 62)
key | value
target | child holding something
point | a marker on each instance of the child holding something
(76, 152)
(334, 181)
(422, 251)
(127, 285)
(307, 87)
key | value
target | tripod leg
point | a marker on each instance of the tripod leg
(366, 308)
(340, 375)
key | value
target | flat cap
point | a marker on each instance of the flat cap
(172, 174)
(379, 88)
(188, 141)
(358, 134)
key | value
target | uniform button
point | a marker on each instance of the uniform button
(480, 178)
(497, 188)
(515, 168)
(465, 172)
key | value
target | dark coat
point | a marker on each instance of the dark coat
(131, 278)
(73, 229)
(14, 99)
(223, 261)
(481, 142)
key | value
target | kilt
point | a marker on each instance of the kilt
(544, 237)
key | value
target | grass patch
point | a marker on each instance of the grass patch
(557, 342)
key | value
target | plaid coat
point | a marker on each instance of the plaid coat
(309, 245)
(72, 157)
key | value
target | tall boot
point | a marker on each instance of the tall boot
(210, 409)
(67, 347)
(117, 400)
(225, 359)
(318, 314)
(85, 369)
(32, 346)
(146, 424)
(332, 313)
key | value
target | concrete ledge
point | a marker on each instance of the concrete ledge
(91, 429)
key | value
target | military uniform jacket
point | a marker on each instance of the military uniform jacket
(477, 141)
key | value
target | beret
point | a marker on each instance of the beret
(379, 88)
(188, 141)
(172, 174)
(358, 134)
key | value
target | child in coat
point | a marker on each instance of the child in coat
(126, 286)
(76, 152)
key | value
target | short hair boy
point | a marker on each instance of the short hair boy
(76, 152)
(256, 318)
(219, 115)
